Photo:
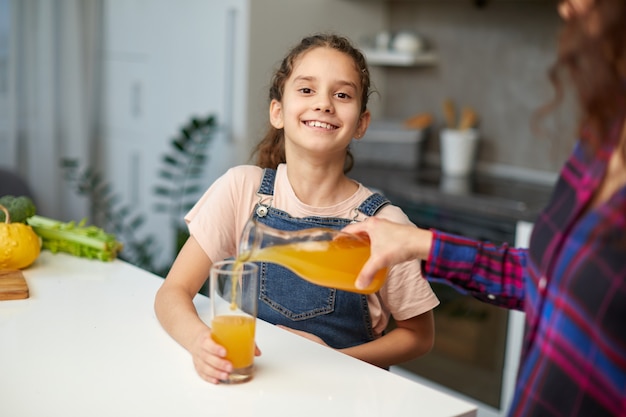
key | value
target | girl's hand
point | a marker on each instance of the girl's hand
(209, 358)
(306, 335)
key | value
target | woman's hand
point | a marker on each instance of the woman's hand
(391, 244)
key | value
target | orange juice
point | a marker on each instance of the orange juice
(333, 263)
(236, 334)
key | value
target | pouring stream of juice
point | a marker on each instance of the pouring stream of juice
(332, 261)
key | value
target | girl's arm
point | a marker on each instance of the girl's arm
(410, 339)
(178, 316)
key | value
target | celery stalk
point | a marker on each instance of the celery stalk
(75, 238)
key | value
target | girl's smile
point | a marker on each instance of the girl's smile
(317, 123)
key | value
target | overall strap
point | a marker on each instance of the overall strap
(267, 183)
(372, 204)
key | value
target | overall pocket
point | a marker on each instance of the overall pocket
(291, 296)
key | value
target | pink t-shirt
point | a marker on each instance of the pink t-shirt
(218, 218)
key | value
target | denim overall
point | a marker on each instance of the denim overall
(340, 318)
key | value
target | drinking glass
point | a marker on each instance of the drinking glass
(234, 294)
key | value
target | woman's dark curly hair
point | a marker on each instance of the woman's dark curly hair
(592, 56)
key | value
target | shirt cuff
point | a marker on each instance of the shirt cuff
(451, 258)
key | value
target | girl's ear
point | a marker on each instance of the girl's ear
(276, 114)
(364, 122)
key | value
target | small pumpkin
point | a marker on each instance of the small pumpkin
(19, 244)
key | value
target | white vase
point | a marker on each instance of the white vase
(458, 151)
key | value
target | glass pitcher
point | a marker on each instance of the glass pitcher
(323, 256)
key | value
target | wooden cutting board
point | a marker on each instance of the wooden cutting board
(12, 285)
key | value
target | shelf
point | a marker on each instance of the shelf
(399, 59)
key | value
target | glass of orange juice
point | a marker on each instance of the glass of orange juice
(234, 294)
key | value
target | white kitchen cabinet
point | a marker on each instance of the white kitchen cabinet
(169, 60)
(164, 62)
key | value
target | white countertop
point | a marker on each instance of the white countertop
(87, 343)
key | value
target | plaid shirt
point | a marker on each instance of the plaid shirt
(571, 283)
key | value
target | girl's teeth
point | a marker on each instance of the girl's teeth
(320, 124)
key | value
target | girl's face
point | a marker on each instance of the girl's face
(320, 107)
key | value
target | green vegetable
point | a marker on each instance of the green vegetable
(75, 238)
(20, 208)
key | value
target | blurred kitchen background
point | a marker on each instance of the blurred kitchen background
(110, 84)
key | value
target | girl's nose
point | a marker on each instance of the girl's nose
(324, 104)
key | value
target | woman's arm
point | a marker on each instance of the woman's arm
(178, 316)
(491, 273)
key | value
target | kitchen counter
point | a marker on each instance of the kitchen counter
(496, 198)
(87, 343)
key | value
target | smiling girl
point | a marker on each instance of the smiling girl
(318, 104)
